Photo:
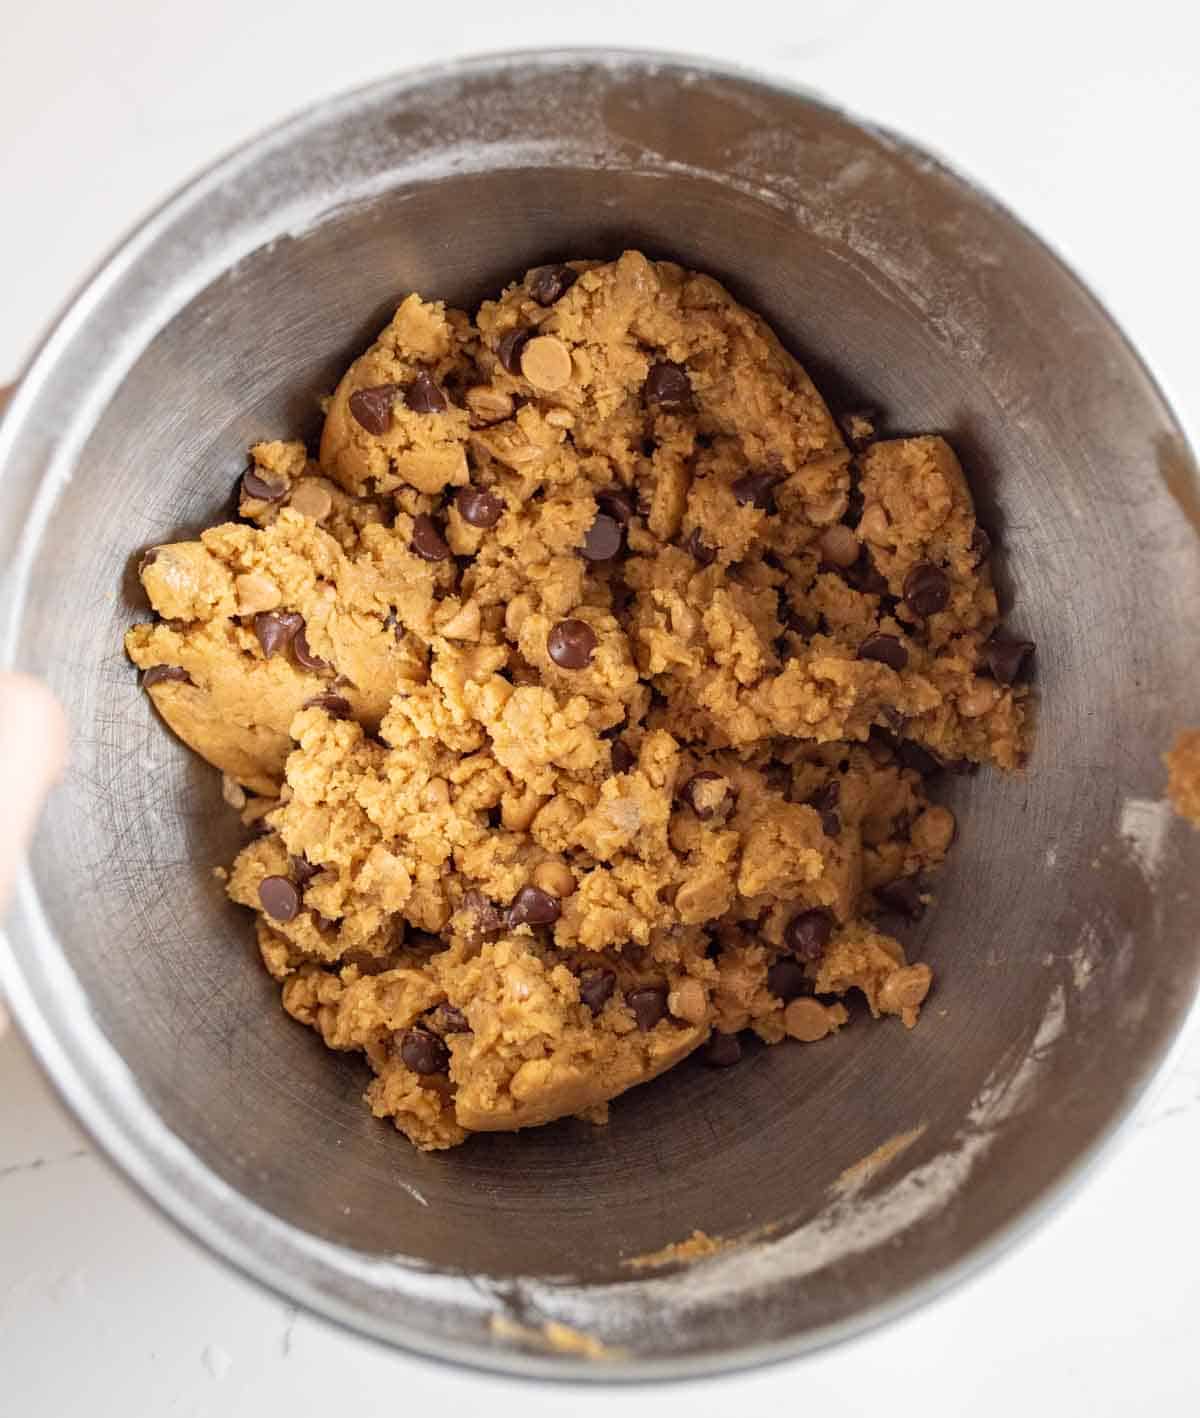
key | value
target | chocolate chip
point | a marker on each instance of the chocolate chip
(448, 1019)
(532, 906)
(260, 488)
(881, 745)
(508, 351)
(864, 576)
(826, 798)
(667, 386)
(279, 898)
(617, 504)
(649, 1004)
(1004, 658)
(422, 942)
(304, 657)
(831, 824)
(885, 649)
(596, 986)
(161, 674)
(903, 896)
(427, 541)
(277, 629)
(372, 408)
(302, 870)
(927, 589)
(981, 545)
(694, 799)
(700, 549)
(423, 396)
(333, 704)
(550, 283)
(489, 921)
(722, 1051)
(423, 1052)
(918, 759)
(786, 978)
(808, 933)
(603, 540)
(570, 644)
(623, 757)
(756, 490)
(478, 507)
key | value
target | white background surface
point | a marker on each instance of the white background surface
(1084, 118)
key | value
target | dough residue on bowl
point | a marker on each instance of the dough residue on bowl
(1183, 775)
(584, 693)
(698, 1246)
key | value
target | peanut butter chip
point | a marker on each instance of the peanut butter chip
(546, 362)
(310, 499)
(839, 546)
(905, 989)
(806, 1020)
(554, 877)
(687, 1001)
(256, 592)
(933, 831)
(489, 405)
(873, 526)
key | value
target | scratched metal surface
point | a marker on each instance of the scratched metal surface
(1064, 937)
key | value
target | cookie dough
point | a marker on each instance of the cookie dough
(588, 687)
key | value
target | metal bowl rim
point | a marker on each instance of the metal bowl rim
(138, 1140)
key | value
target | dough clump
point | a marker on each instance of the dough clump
(583, 695)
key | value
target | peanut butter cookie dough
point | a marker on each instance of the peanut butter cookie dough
(587, 686)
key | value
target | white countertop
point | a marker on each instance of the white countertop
(1083, 117)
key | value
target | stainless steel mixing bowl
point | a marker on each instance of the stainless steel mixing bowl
(1065, 939)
